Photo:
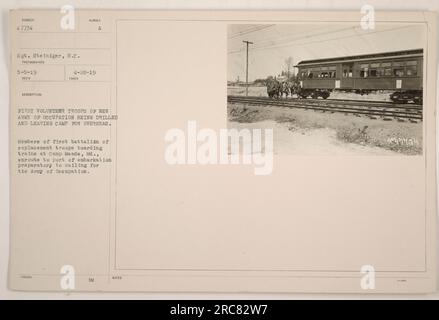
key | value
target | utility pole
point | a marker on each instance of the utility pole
(246, 69)
(289, 63)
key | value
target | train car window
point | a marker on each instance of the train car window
(411, 63)
(387, 71)
(411, 71)
(398, 64)
(386, 64)
(365, 65)
(373, 72)
(374, 65)
(399, 72)
(364, 72)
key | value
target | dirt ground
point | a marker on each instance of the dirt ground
(298, 131)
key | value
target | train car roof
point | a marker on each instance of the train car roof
(364, 57)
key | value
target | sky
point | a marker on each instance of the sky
(274, 43)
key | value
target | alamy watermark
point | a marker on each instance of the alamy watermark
(67, 281)
(223, 147)
(367, 21)
(367, 281)
(67, 21)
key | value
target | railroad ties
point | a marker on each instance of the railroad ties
(386, 111)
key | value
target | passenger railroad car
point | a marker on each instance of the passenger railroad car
(399, 72)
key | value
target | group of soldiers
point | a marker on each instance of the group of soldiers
(277, 89)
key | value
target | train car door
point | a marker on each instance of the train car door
(347, 76)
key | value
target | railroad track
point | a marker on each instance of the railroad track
(371, 109)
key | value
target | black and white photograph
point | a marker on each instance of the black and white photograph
(219, 156)
(329, 89)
